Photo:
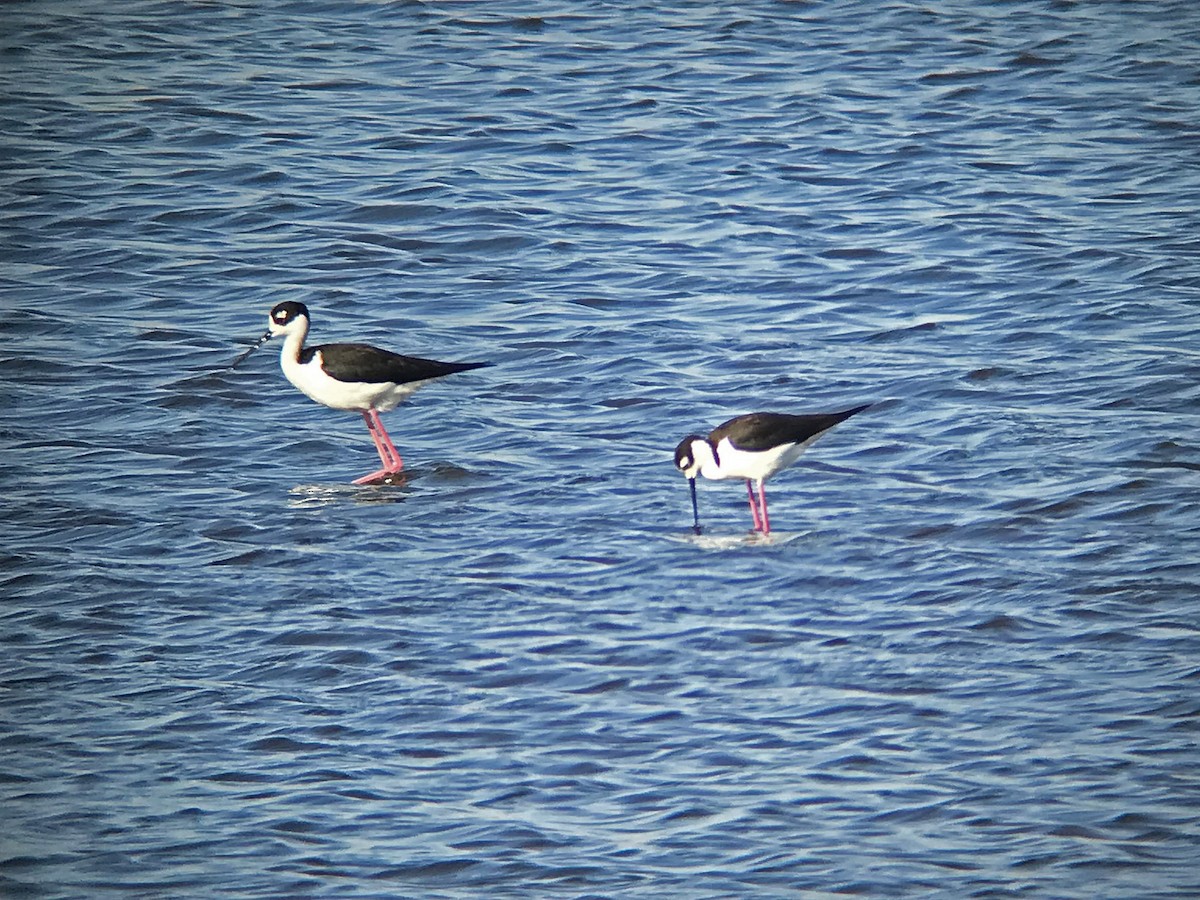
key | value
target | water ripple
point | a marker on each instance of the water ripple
(963, 666)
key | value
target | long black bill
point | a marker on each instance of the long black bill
(237, 362)
(695, 507)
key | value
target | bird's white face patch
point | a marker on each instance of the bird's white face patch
(280, 319)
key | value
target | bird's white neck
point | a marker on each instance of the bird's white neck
(702, 453)
(293, 342)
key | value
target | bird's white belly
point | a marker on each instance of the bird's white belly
(756, 464)
(348, 395)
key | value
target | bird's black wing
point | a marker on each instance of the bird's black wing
(764, 430)
(364, 363)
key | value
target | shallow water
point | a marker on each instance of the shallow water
(964, 665)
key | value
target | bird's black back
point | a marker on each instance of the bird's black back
(764, 430)
(364, 363)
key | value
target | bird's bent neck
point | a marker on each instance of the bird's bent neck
(703, 452)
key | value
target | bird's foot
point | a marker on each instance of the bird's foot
(383, 476)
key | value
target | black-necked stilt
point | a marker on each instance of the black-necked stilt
(754, 446)
(355, 377)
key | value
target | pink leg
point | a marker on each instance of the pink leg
(753, 507)
(762, 502)
(396, 463)
(379, 448)
(388, 455)
(381, 473)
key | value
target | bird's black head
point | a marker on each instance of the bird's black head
(281, 321)
(685, 456)
(283, 314)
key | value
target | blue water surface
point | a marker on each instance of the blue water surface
(966, 664)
